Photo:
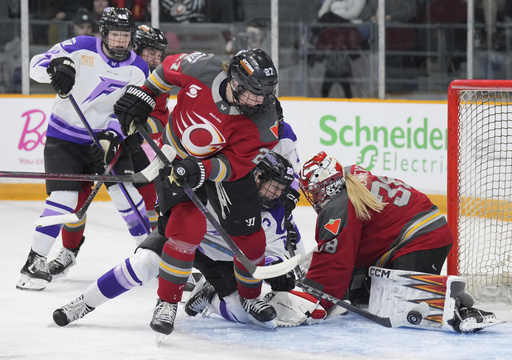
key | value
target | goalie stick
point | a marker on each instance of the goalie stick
(151, 172)
(93, 136)
(412, 317)
(258, 272)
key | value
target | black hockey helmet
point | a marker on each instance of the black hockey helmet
(253, 71)
(273, 167)
(149, 37)
(119, 19)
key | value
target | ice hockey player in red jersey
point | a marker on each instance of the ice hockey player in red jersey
(225, 121)
(364, 220)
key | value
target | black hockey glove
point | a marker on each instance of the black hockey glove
(292, 236)
(190, 171)
(109, 142)
(135, 105)
(132, 142)
(289, 198)
(284, 282)
(62, 73)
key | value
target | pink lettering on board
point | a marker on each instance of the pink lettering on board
(32, 135)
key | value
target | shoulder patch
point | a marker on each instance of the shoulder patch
(333, 226)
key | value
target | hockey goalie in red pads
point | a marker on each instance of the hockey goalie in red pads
(366, 220)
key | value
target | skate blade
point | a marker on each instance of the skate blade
(160, 338)
(31, 284)
(474, 326)
(271, 325)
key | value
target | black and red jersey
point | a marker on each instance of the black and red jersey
(204, 124)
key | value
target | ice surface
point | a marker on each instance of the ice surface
(120, 328)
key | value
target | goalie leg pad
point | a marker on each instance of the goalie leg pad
(295, 308)
(396, 291)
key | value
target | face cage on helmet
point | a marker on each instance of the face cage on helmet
(319, 193)
(268, 101)
(269, 199)
(116, 54)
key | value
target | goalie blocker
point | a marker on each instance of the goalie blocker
(451, 308)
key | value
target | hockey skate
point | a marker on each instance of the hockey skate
(75, 310)
(163, 317)
(34, 274)
(260, 313)
(64, 260)
(473, 320)
(200, 298)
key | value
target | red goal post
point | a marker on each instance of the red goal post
(479, 188)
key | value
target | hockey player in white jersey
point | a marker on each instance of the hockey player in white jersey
(143, 265)
(94, 71)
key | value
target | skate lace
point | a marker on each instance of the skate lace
(200, 302)
(65, 257)
(39, 264)
(76, 309)
(254, 305)
(165, 311)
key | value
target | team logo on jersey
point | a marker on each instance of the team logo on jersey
(193, 91)
(275, 129)
(198, 135)
(105, 87)
(333, 226)
(87, 60)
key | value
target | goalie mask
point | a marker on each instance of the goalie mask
(320, 179)
(273, 175)
(147, 37)
(253, 79)
(117, 19)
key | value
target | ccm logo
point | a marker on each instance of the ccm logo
(380, 272)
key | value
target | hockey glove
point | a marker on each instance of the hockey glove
(132, 142)
(289, 198)
(135, 105)
(109, 142)
(284, 282)
(190, 171)
(292, 236)
(62, 73)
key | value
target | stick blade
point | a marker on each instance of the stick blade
(56, 220)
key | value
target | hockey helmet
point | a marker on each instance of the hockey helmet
(149, 37)
(273, 168)
(320, 179)
(253, 71)
(119, 19)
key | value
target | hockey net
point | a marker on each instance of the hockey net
(480, 186)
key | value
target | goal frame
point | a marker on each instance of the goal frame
(453, 172)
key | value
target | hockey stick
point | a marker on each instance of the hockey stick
(258, 272)
(412, 317)
(144, 176)
(121, 185)
(152, 169)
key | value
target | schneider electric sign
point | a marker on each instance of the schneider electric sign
(407, 141)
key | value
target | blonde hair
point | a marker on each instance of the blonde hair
(361, 198)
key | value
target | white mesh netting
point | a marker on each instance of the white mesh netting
(485, 183)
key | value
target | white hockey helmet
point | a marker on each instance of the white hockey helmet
(320, 179)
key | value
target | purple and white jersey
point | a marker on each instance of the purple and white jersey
(272, 221)
(99, 83)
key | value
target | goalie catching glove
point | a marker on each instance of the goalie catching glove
(190, 171)
(109, 142)
(134, 106)
(62, 74)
